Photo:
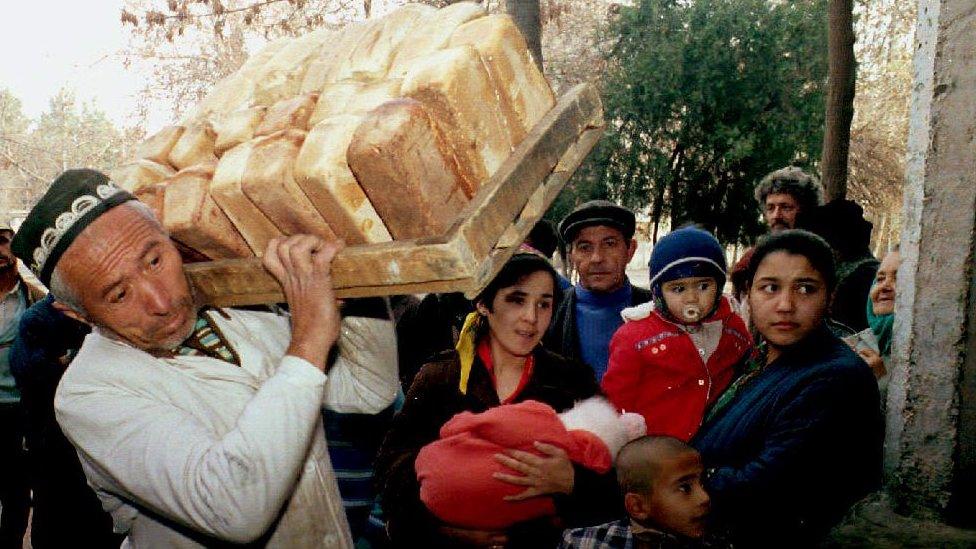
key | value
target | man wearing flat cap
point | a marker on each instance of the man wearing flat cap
(200, 427)
(600, 238)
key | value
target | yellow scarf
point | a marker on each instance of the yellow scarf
(465, 346)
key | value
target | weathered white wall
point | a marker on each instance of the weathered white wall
(928, 420)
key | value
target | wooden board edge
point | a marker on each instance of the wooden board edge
(485, 219)
(236, 282)
(535, 208)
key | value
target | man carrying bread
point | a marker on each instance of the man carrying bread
(200, 426)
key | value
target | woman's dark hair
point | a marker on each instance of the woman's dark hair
(796, 242)
(520, 265)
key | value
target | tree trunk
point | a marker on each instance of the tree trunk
(658, 209)
(528, 19)
(840, 97)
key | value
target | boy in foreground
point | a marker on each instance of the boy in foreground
(666, 504)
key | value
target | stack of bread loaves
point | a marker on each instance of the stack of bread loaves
(380, 131)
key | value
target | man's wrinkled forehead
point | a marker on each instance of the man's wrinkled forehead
(120, 235)
(781, 196)
(598, 231)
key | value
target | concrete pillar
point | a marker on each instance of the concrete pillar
(930, 454)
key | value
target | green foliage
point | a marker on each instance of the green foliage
(66, 135)
(703, 98)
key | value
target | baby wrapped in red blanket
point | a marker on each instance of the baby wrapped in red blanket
(455, 471)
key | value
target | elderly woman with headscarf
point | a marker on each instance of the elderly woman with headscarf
(881, 315)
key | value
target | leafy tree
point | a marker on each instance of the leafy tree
(66, 135)
(15, 148)
(75, 136)
(14, 126)
(702, 99)
(189, 45)
(879, 132)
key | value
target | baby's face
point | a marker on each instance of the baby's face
(678, 502)
(690, 299)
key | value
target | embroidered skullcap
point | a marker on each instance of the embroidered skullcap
(74, 201)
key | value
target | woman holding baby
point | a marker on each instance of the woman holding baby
(498, 361)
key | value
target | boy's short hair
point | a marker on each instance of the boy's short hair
(796, 242)
(638, 461)
(805, 188)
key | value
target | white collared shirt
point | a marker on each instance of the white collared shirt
(228, 451)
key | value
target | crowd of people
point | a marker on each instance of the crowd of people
(606, 414)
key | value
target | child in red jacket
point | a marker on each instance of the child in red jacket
(673, 357)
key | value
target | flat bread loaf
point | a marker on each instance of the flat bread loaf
(373, 53)
(281, 77)
(526, 96)
(322, 172)
(433, 34)
(195, 146)
(456, 90)
(194, 219)
(407, 169)
(227, 190)
(351, 97)
(288, 114)
(326, 69)
(139, 174)
(158, 146)
(236, 127)
(270, 184)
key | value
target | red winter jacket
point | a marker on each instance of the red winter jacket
(455, 472)
(656, 370)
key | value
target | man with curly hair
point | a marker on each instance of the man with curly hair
(785, 194)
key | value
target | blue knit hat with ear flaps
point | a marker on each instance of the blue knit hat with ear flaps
(687, 252)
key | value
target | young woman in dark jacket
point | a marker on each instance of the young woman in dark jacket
(797, 439)
(498, 361)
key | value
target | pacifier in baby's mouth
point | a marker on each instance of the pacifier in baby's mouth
(691, 313)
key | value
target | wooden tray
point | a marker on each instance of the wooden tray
(486, 233)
